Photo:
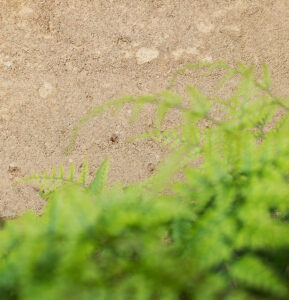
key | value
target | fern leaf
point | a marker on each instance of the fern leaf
(266, 77)
(226, 78)
(71, 172)
(253, 273)
(53, 173)
(136, 111)
(199, 103)
(84, 173)
(61, 172)
(47, 182)
(162, 110)
(170, 98)
(100, 179)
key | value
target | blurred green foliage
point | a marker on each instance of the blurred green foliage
(221, 232)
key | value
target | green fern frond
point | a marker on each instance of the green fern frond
(71, 172)
(100, 179)
(47, 182)
(83, 173)
(170, 137)
(252, 273)
(136, 111)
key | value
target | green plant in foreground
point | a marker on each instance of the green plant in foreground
(48, 182)
(221, 232)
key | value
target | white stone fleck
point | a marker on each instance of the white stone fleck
(145, 55)
(205, 27)
(45, 90)
(25, 11)
(178, 53)
(8, 64)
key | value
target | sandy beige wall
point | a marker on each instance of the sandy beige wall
(59, 58)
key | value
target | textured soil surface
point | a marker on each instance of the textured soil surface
(59, 58)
